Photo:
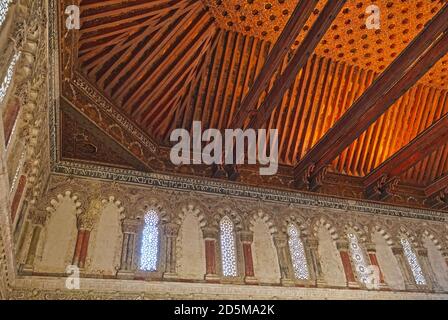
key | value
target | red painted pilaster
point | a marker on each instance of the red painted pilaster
(374, 261)
(84, 247)
(349, 275)
(248, 261)
(210, 256)
(78, 247)
(18, 196)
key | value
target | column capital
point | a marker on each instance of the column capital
(370, 247)
(246, 236)
(312, 243)
(445, 253)
(210, 233)
(342, 245)
(130, 225)
(422, 252)
(396, 250)
(38, 218)
(171, 229)
(85, 222)
(280, 241)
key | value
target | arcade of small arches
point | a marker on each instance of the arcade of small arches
(151, 237)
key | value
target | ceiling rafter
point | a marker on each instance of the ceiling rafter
(181, 88)
(423, 52)
(289, 34)
(299, 59)
(437, 193)
(407, 157)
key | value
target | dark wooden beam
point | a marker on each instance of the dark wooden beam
(298, 61)
(421, 54)
(437, 193)
(438, 200)
(286, 39)
(415, 151)
(436, 186)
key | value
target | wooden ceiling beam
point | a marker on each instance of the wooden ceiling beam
(248, 109)
(407, 157)
(298, 61)
(437, 194)
(289, 34)
(437, 185)
(421, 54)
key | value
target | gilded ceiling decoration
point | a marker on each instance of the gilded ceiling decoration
(348, 39)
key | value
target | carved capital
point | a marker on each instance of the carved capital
(370, 247)
(342, 245)
(38, 217)
(210, 233)
(280, 241)
(422, 252)
(86, 222)
(171, 229)
(246, 236)
(397, 251)
(312, 243)
(130, 225)
(445, 253)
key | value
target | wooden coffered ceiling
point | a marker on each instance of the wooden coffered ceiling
(163, 64)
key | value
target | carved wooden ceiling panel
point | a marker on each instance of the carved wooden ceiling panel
(83, 141)
(431, 168)
(144, 55)
(348, 39)
(166, 63)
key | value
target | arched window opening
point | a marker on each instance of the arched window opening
(413, 262)
(8, 77)
(358, 258)
(4, 6)
(298, 256)
(228, 252)
(150, 242)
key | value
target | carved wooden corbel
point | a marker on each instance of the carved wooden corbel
(311, 180)
(439, 200)
(218, 171)
(382, 189)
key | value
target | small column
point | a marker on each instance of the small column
(371, 252)
(406, 271)
(86, 222)
(85, 225)
(78, 246)
(84, 247)
(171, 232)
(284, 260)
(210, 238)
(445, 256)
(312, 246)
(130, 228)
(37, 223)
(247, 239)
(28, 267)
(342, 246)
(428, 272)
